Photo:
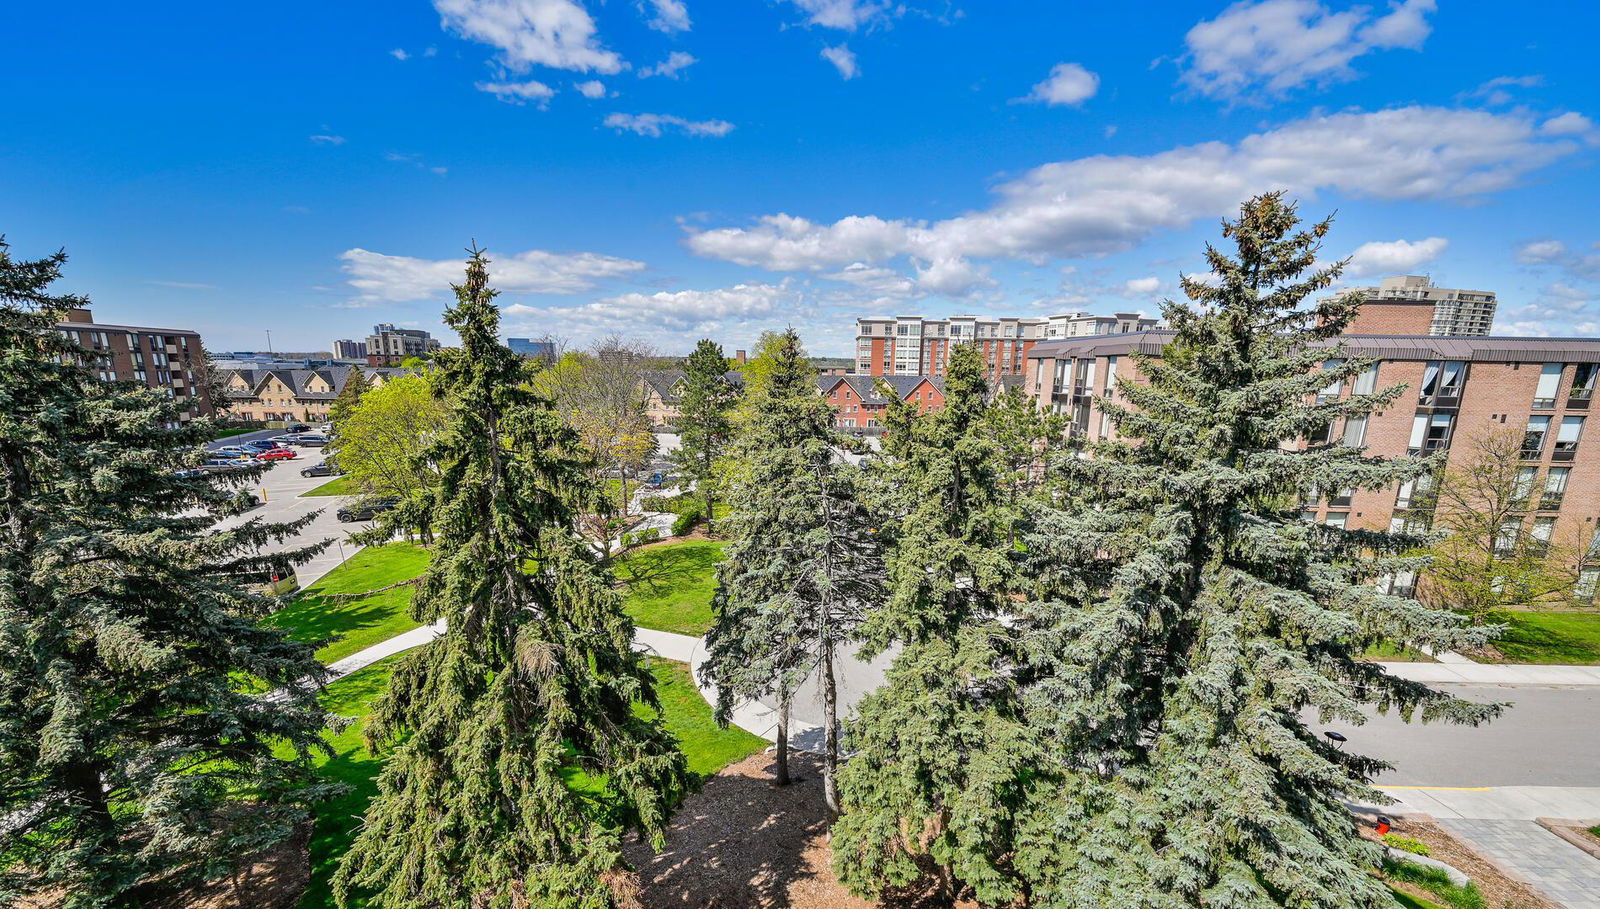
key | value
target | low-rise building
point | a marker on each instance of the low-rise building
(390, 346)
(293, 395)
(663, 388)
(859, 401)
(170, 359)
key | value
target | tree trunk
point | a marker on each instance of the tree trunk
(82, 784)
(783, 741)
(830, 736)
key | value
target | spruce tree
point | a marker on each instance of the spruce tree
(940, 750)
(804, 564)
(1192, 619)
(355, 385)
(705, 423)
(518, 757)
(132, 761)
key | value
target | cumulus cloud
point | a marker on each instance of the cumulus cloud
(327, 140)
(1541, 251)
(1068, 84)
(653, 125)
(381, 278)
(1141, 287)
(554, 33)
(846, 15)
(1389, 257)
(1559, 309)
(882, 282)
(676, 62)
(674, 318)
(1571, 123)
(843, 60)
(519, 92)
(668, 16)
(1110, 203)
(592, 89)
(1584, 265)
(1262, 50)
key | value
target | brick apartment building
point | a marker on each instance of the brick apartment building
(390, 346)
(914, 346)
(170, 359)
(1458, 388)
(1412, 305)
(858, 403)
(293, 395)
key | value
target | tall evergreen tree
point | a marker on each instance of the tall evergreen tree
(355, 386)
(804, 564)
(518, 757)
(130, 759)
(940, 749)
(1193, 618)
(705, 423)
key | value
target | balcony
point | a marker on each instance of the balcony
(1544, 403)
(1565, 451)
(1551, 501)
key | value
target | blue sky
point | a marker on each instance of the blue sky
(672, 169)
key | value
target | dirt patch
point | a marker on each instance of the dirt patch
(741, 842)
(1499, 891)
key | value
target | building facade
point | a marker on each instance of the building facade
(1412, 305)
(169, 359)
(662, 389)
(347, 349)
(390, 346)
(1458, 388)
(527, 347)
(294, 395)
(858, 403)
(914, 346)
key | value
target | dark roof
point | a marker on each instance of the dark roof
(298, 379)
(664, 381)
(866, 387)
(1490, 348)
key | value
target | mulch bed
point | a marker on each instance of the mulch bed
(742, 842)
(1499, 890)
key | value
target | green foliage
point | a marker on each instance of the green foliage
(355, 386)
(688, 517)
(1406, 844)
(1412, 902)
(705, 422)
(707, 746)
(326, 616)
(1187, 620)
(131, 759)
(1569, 638)
(535, 682)
(941, 747)
(669, 587)
(381, 445)
(803, 565)
(1436, 882)
(338, 486)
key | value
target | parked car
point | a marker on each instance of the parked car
(321, 469)
(234, 451)
(296, 427)
(367, 510)
(277, 454)
(261, 445)
(312, 440)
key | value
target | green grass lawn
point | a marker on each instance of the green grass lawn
(669, 586)
(1411, 902)
(338, 486)
(707, 747)
(1394, 653)
(358, 624)
(230, 433)
(1552, 637)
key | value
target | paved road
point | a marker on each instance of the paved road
(281, 486)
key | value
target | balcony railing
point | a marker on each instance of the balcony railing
(1551, 501)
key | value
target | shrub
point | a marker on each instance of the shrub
(1405, 844)
(687, 519)
(1436, 882)
(650, 535)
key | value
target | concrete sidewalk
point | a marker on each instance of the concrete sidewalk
(1469, 673)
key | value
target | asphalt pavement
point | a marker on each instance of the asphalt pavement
(280, 488)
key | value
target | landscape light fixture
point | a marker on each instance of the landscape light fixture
(1336, 737)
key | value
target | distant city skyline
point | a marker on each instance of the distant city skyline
(315, 169)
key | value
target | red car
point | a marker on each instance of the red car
(277, 454)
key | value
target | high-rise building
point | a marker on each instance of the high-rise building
(171, 359)
(390, 346)
(1412, 305)
(914, 346)
(347, 349)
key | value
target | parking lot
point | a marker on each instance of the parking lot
(280, 488)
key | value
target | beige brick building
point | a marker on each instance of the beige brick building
(293, 395)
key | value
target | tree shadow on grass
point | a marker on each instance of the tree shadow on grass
(324, 620)
(659, 569)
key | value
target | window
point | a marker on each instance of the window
(1111, 373)
(1588, 579)
(1583, 382)
(1555, 487)
(1522, 486)
(1334, 387)
(1321, 436)
(1533, 436)
(1567, 438)
(1355, 431)
(1430, 433)
(1366, 382)
(1441, 381)
(1543, 530)
(1544, 396)
(1337, 519)
(1505, 541)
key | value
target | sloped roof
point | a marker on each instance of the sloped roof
(664, 382)
(298, 380)
(866, 387)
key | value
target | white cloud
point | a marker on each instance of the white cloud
(669, 16)
(1262, 50)
(381, 278)
(1496, 91)
(554, 33)
(670, 67)
(593, 89)
(328, 140)
(653, 124)
(1394, 256)
(399, 54)
(1541, 251)
(1559, 309)
(1068, 83)
(673, 318)
(519, 92)
(1571, 123)
(1110, 203)
(843, 60)
(847, 15)
(884, 282)
(1139, 287)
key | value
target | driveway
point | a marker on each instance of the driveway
(280, 488)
